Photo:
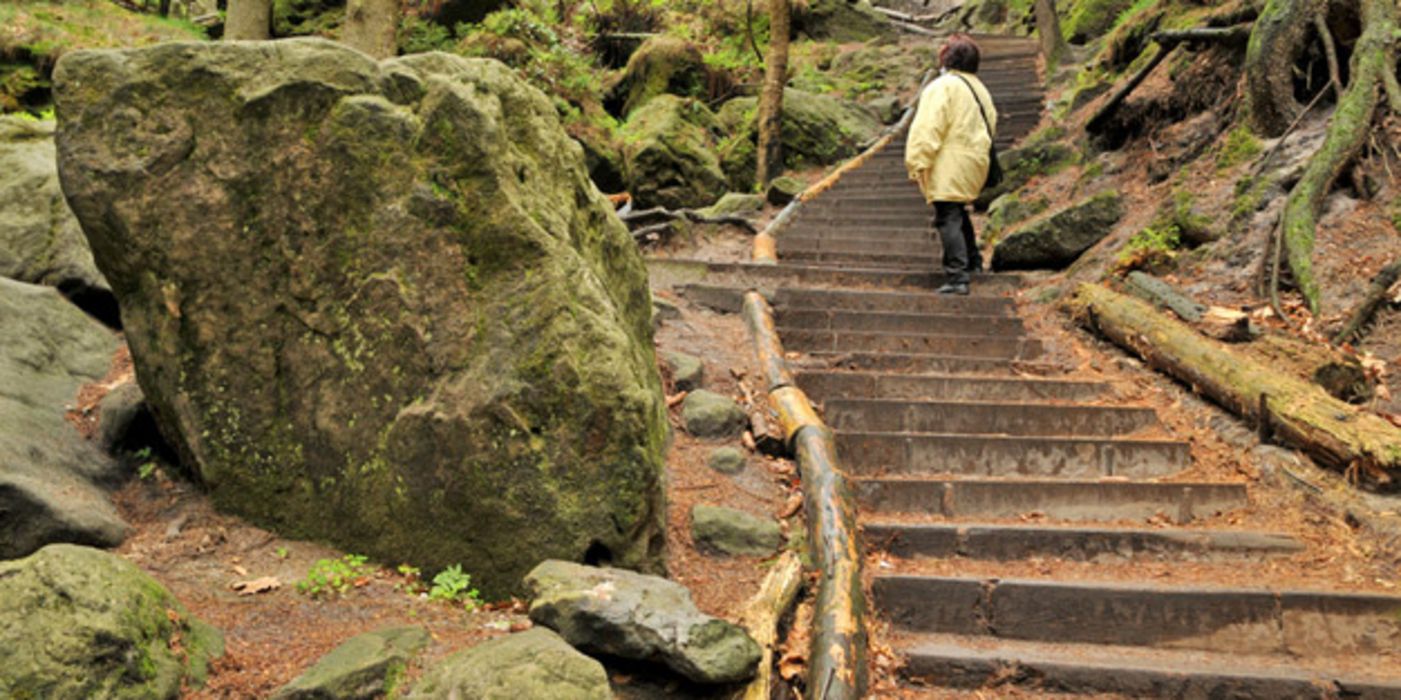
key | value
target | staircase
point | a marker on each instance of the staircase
(971, 473)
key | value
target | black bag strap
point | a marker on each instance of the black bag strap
(979, 102)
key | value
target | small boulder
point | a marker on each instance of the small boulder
(726, 460)
(662, 311)
(1057, 240)
(710, 415)
(1009, 210)
(118, 413)
(734, 532)
(669, 156)
(784, 190)
(364, 667)
(77, 622)
(887, 108)
(687, 371)
(533, 664)
(662, 65)
(646, 618)
(735, 204)
(52, 481)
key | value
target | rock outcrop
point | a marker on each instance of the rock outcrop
(364, 667)
(533, 664)
(375, 304)
(40, 240)
(662, 65)
(78, 623)
(646, 618)
(52, 481)
(669, 155)
(1055, 241)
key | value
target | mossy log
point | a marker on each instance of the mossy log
(1340, 374)
(1377, 294)
(1222, 324)
(762, 614)
(1373, 58)
(1297, 411)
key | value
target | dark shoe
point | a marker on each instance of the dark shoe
(953, 288)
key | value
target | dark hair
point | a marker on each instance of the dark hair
(960, 52)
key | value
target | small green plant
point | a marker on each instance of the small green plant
(281, 552)
(1152, 248)
(328, 577)
(452, 584)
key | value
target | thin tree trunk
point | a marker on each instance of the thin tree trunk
(372, 27)
(1048, 28)
(771, 101)
(248, 20)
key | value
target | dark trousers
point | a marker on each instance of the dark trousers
(955, 230)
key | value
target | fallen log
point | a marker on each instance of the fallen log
(1167, 41)
(1340, 374)
(762, 614)
(1366, 446)
(1378, 293)
(1223, 324)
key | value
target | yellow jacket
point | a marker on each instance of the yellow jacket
(947, 149)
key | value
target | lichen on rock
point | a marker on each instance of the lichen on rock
(375, 304)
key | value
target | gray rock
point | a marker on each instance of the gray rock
(734, 532)
(1056, 241)
(379, 304)
(726, 460)
(117, 412)
(708, 414)
(51, 479)
(40, 240)
(687, 371)
(79, 623)
(632, 616)
(735, 204)
(533, 665)
(817, 130)
(663, 311)
(364, 667)
(888, 109)
(1009, 209)
(669, 154)
(784, 190)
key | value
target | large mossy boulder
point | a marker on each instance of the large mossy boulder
(52, 481)
(662, 65)
(816, 130)
(1053, 242)
(841, 21)
(40, 240)
(669, 154)
(526, 666)
(375, 304)
(78, 623)
(644, 618)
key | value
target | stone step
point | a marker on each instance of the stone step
(808, 340)
(795, 241)
(1059, 499)
(893, 301)
(864, 217)
(912, 263)
(977, 662)
(676, 272)
(833, 385)
(907, 455)
(921, 362)
(985, 417)
(886, 322)
(1301, 624)
(902, 236)
(911, 199)
(1012, 542)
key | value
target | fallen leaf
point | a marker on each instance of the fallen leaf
(239, 570)
(257, 585)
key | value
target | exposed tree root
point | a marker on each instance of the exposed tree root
(1377, 294)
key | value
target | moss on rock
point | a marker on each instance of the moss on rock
(662, 65)
(376, 304)
(669, 154)
(816, 130)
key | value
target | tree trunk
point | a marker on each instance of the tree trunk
(1275, 43)
(1048, 29)
(1372, 58)
(248, 20)
(771, 101)
(372, 27)
(1297, 411)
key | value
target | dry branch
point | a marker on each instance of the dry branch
(1377, 294)
(1167, 41)
(762, 614)
(1364, 444)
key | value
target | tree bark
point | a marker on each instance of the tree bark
(1275, 43)
(372, 27)
(1299, 412)
(771, 101)
(1048, 29)
(1372, 58)
(248, 20)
